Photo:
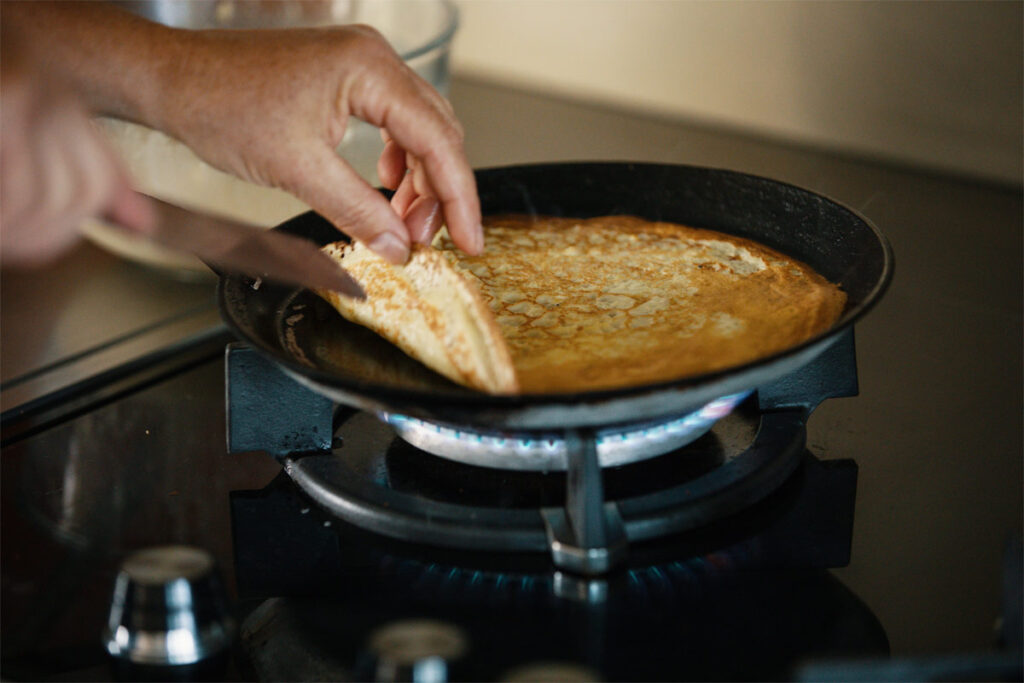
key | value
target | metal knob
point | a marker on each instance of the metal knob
(416, 650)
(169, 609)
(552, 672)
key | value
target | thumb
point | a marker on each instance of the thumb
(333, 189)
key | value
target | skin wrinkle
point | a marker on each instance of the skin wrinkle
(373, 91)
(336, 124)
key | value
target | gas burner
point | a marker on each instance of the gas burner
(545, 451)
(340, 458)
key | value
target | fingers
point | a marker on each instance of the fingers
(414, 199)
(424, 200)
(404, 196)
(332, 188)
(419, 121)
(396, 173)
(391, 164)
(423, 219)
(443, 172)
(421, 213)
(56, 170)
(129, 209)
(107, 190)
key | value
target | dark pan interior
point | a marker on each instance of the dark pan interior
(302, 332)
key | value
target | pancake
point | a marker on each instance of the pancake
(616, 301)
(430, 311)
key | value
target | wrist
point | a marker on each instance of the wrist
(131, 77)
(161, 97)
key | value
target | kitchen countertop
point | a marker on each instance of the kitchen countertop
(936, 430)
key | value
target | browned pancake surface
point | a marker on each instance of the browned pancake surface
(429, 310)
(616, 301)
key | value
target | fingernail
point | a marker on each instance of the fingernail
(389, 246)
(423, 219)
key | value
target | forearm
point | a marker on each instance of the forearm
(116, 62)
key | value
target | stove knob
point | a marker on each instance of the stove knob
(416, 650)
(169, 617)
(551, 672)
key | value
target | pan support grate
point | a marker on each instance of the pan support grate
(588, 535)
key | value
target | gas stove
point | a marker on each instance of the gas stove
(467, 488)
(587, 554)
(351, 532)
(347, 551)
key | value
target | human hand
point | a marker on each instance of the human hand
(272, 107)
(55, 168)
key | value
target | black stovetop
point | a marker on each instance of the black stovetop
(748, 596)
(750, 599)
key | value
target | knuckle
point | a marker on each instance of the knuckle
(459, 131)
(449, 137)
(367, 32)
(369, 43)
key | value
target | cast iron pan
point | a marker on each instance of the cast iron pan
(351, 365)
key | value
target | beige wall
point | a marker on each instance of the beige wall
(931, 83)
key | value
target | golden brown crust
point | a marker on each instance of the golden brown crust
(567, 305)
(429, 311)
(617, 301)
